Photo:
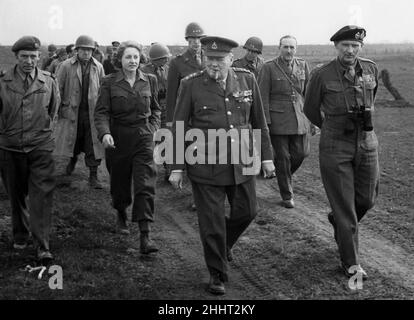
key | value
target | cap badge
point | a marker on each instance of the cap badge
(360, 35)
(214, 46)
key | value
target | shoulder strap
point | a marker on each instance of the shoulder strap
(287, 77)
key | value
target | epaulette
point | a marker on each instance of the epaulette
(151, 76)
(319, 67)
(241, 70)
(366, 60)
(194, 75)
(109, 76)
(146, 67)
(49, 74)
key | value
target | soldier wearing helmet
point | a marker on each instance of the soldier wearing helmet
(98, 53)
(108, 62)
(183, 65)
(61, 56)
(79, 81)
(51, 51)
(159, 55)
(70, 50)
(252, 60)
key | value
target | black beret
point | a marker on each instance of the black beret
(217, 46)
(29, 43)
(350, 33)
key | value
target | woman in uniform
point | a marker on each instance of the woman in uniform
(126, 116)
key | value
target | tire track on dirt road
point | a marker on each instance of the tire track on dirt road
(244, 283)
(387, 258)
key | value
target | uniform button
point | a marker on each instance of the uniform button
(204, 107)
(231, 126)
(232, 140)
(229, 113)
(227, 99)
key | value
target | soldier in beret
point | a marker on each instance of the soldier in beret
(282, 83)
(29, 100)
(221, 97)
(340, 99)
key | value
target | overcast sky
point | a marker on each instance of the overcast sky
(311, 21)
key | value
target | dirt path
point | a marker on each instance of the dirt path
(284, 254)
(299, 236)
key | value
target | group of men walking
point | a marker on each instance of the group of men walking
(203, 88)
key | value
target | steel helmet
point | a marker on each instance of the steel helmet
(194, 30)
(51, 48)
(254, 44)
(158, 51)
(84, 42)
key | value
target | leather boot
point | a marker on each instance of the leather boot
(71, 165)
(147, 245)
(93, 178)
(122, 224)
(216, 285)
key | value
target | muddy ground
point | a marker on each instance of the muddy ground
(284, 254)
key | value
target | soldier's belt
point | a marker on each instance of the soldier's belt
(283, 97)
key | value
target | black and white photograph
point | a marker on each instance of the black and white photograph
(206, 155)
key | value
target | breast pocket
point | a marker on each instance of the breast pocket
(205, 112)
(146, 102)
(243, 106)
(42, 97)
(334, 97)
(276, 106)
(119, 100)
(280, 86)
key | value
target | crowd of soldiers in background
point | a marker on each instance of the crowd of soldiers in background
(122, 111)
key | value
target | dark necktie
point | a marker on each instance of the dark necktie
(289, 69)
(26, 84)
(351, 73)
(198, 59)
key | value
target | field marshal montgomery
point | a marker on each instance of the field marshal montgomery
(340, 100)
(221, 97)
